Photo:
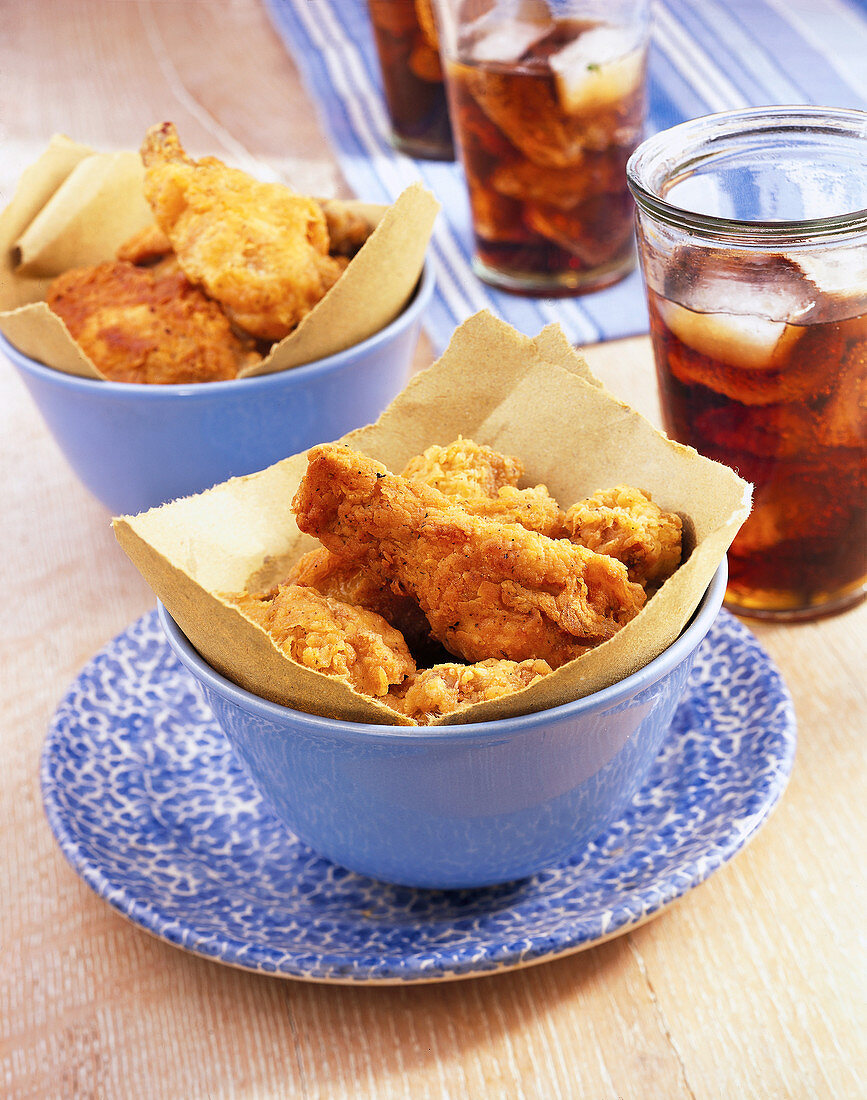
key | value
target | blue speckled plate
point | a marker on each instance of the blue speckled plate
(151, 808)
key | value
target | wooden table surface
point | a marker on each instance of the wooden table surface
(753, 985)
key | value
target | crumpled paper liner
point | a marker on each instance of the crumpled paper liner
(535, 399)
(75, 207)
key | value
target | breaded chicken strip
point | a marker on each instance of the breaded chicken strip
(259, 249)
(332, 637)
(485, 482)
(347, 581)
(140, 324)
(625, 523)
(487, 588)
(443, 689)
(470, 474)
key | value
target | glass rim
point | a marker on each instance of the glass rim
(689, 143)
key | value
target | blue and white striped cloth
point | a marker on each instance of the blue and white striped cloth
(707, 55)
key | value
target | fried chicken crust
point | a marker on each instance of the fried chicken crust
(257, 248)
(626, 524)
(464, 469)
(347, 581)
(330, 636)
(444, 689)
(488, 589)
(140, 324)
(146, 247)
(470, 473)
(485, 482)
(347, 229)
(151, 248)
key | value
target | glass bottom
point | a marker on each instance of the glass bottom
(560, 284)
(782, 608)
(423, 150)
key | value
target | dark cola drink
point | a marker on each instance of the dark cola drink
(752, 230)
(412, 76)
(779, 394)
(544, 137)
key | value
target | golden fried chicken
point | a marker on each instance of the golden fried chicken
(488, 589)
(257, 248)
(464, 469)
(349, 582)
(146, 247)
(532, 508)
(485, 483)
(139, 324)
(347, 229)
(330, 636)
(443, 689)
(626, 524)
(151, 248)
(471, 474)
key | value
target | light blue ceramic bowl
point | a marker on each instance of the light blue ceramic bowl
(137, 446)
(463, 805)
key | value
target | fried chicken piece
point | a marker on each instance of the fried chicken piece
(146, 247)
(626, 524)
(333, 637)
(347, 229)
(137, 324)
(532, 508)
(433, 692)
(464, 469)
(347, 581)
(151, 248)
(488, 589)
(485, 482)
(470, 473)
(257, 248)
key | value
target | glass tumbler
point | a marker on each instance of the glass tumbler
(752, 231)
(406, 41)
(547, 102)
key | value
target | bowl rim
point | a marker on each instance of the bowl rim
(687, 641)
(172, 391)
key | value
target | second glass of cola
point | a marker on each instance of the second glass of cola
(547, 102)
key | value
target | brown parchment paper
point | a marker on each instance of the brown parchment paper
(532, 398)
(74, 207)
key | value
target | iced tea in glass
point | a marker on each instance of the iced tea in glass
(753, 240)
(547, 103)
(406, 41)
